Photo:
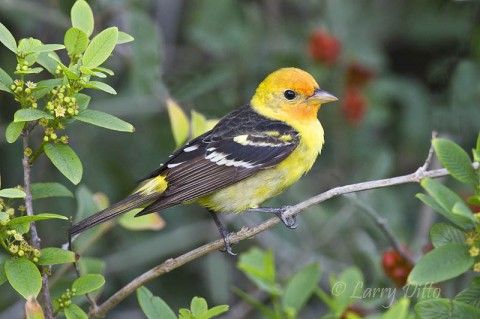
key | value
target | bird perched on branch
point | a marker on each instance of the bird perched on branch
(250, 156)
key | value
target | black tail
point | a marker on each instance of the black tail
(117, 209)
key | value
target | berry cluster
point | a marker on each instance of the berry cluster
(396, 267)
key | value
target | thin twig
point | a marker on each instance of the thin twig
(385, 228)
(35, 239)
(246, 232)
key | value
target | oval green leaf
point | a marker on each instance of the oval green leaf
(13, 131)
(28, 219)
(82, 17)
(75, 312)
(12, 193)
(24, 276)
(76, 41)
(100, 47)
(153, 307)
(124, 37)
(7, 38)
(442, 234)
(25, 115)
(301, 287)
(5, 81)
(178, 121)
(48, 48)
(455, 160)
(448, 261)
(44, 190)
(55, 256)
(101, 86)
(3, 276)
(104, 120)
(88, 283)
(65, 160)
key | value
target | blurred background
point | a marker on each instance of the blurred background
(401, 69)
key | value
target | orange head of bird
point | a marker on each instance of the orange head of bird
(290, 93)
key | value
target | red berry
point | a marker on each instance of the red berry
(324, 47)
(396, 267)
(354, 105)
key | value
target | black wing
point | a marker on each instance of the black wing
(240, 145)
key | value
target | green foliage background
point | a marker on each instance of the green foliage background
(210, 55)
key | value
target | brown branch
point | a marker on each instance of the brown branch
(35, 239)
(248, 232)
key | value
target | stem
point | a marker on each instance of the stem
(249, 232)
(35, 239)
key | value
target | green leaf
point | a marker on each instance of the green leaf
(445, 198)
(14, 129)
(54, 256)
(145, 222)
(73, 311)
(5, 81)
(124, 37)
(100, 86)
(87, 283)
(76, 41)
(455, 160)
(50, 64)
(3, 276)
(30, 71)
(7, 38)
(215, 311)
(24, 276)
(82, 17)
(471, 295)
(178, 121)
(445, 309)
(399, 310)
(104, 120)
(44, 190)
(82, 101)
(26, 47)
(461, 209)
(448, 261)
(153, 307)
(198, 306)
(351, 282)
(89, 71)
(12, 193)
(259, 267)
(47, 48)
(300, 287)
(442, 234)
(28, 219)
(100, 47)
(65, 160)
(103, 70)
(25, 115)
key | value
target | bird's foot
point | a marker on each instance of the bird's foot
(228, 247)
(224, 233)
(289, 222)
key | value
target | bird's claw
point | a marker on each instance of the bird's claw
(227, 248)
(290, 222)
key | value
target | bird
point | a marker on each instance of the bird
(251, 155)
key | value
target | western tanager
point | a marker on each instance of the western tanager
(250, 156)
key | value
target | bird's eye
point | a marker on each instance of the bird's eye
(289, 94)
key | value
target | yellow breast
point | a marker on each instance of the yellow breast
(268, 183)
